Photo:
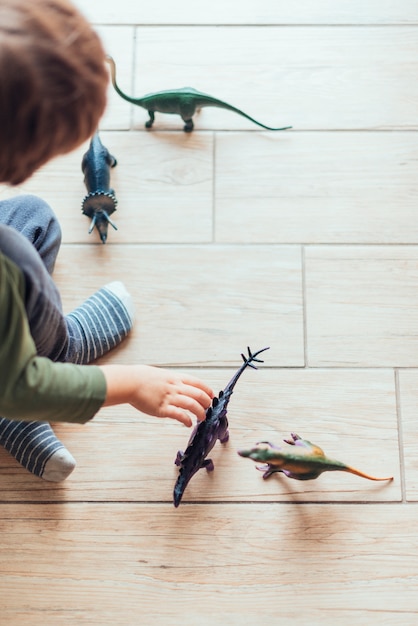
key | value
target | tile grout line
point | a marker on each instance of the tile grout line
(252, 25)
(400, 435)
(304, 307)
(132, 111)
(213, 188)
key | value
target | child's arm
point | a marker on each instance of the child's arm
(156, 391)
(35, 388)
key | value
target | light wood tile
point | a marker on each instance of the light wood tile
(316, 187)
(350, 414)
(361, 306)
(346, 563)
(224, 241)
(408, 385)
(308, 77)
(119, 43)
(163, 185)
(250, 12)
(197, 305)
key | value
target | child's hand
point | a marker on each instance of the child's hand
(157, 391)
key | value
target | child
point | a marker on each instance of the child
(52, 95)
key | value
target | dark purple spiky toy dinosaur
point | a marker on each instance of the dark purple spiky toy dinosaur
(206, 433)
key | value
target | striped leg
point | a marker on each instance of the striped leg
(36, 448)
(100, 323)
(32, 240)
(95, 327)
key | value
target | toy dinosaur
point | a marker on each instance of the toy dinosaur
(305, 461)
(100, 201)
(206, 433)
(184, 102)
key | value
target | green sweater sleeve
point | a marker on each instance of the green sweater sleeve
(33, 387)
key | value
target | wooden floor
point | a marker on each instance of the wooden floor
(305, 241)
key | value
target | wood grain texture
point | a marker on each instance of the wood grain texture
(196, 305)
(308, 77)
(361, 306)
(286, 188)
(408, 393)
(134, 454)
(119, 43)
(338, 558)
(163, 186)
(305, 241)
(316, 187)
(250, 12)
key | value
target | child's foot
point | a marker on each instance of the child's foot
(36, 448)
(100, 323)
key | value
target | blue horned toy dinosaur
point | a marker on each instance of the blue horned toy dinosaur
(184, 102)
(206, 433)
(100, 201)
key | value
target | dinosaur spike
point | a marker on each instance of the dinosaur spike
(109, 220)
(247, 361)
(253, 357)
(93, 224)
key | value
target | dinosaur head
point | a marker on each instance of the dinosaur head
(261, 452)
(98, 205)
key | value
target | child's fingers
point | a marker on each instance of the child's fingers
(203, 398)
(191, 404)
(177, 414)
(196, 383)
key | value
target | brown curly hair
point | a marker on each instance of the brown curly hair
(53, 83)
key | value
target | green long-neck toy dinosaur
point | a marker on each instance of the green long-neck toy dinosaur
(184, 102)
(303, 461)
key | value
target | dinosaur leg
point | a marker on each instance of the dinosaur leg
(267, 469)
(223, 435)
(188, 126)
(208, 464)
(179, 458)
(224, 438)
(150, 122)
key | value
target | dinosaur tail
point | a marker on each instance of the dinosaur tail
(224, 105)
(352, 470)
(333, 465)
(118, 90)
(179, 487)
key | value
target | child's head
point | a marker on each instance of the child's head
(53, 83)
